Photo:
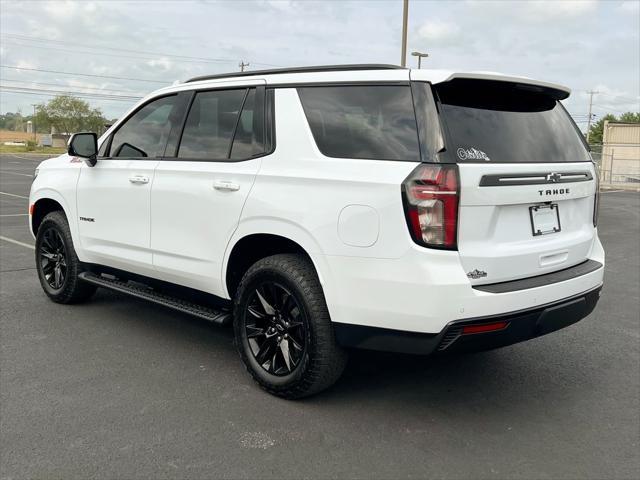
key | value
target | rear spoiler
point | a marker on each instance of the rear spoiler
(555, 91)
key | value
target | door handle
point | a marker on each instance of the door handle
(139, 179)
(225, 185)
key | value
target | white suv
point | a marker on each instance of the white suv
(321, 208)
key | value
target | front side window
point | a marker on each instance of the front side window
(145, 133)
(210, 125)
(374, 122)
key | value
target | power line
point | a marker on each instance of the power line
(610, 109)
(26, 38)
(85, 74)
(621, 97)
(70, 91)
(607, 107)
(100, 90)
(80, 95)
(116, 49)
(117, 55)
(66, 92)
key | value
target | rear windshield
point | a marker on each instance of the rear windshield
(500, 122)
(370, 122)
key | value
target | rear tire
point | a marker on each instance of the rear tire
(283, 330)
(57, 263)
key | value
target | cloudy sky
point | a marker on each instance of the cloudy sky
(587, 45)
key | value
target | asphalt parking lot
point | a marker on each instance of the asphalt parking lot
(118, 388)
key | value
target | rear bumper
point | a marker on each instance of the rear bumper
(519, 326)
(425, 290)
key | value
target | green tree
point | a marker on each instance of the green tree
(630, 117)
(595, 132)
(11, 121)
(69, 115)
(597, 129)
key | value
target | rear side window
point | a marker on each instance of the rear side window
(244, 141)
(146, 132)
(370, 122)
(210, 124)
(500, 122)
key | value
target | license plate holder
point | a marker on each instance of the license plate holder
(545, 219)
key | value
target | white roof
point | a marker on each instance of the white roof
(382, 75)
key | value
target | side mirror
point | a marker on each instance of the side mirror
(84, 145)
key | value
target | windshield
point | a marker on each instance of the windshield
(502, 122)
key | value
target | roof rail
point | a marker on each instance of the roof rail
(320, 68)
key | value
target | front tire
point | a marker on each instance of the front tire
(283, 330)
(57, 263)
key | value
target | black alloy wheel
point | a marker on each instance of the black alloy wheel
(283, 329)
(275, 328)
(53, 258)
(57, 264)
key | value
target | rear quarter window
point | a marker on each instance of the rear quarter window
(364, 122)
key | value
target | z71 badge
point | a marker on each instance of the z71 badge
(476, 274)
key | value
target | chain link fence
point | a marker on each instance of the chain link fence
(618, 165)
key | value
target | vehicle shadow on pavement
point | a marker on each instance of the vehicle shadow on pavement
(511, 376)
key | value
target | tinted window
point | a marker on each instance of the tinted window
(507, 123)
(145, 134)
(373, 122)
(210, 124)
(244, 141)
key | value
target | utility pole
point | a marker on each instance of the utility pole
(35, 138)
(591, 94)
(242, 65)
(405, 18)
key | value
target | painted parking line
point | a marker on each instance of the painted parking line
(14, 195)
(14, 215)
(39, 156)
(16, 173)
(16, 242)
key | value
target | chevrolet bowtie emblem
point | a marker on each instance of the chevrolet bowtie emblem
(553, 177)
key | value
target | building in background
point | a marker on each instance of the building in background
(620, 161)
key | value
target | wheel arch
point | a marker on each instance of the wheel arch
(261, 238)
(42, 206)
(251, 248)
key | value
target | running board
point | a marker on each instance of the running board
(218, 316)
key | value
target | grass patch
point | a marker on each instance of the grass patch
(31, 149)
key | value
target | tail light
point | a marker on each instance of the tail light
(430, 196)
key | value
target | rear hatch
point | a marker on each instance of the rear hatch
(527, 182)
